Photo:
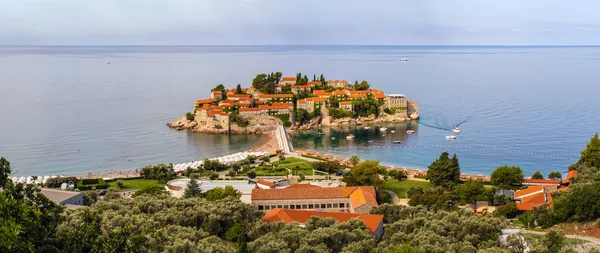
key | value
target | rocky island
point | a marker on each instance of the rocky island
(294, 102)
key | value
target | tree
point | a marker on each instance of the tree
(5, 171)
(365, 173)
(364, 85)
(238, 89)
(508, 210)
(537, 175)
(218, 193)
(190, 116)
(220, 87)
(251, 173)
(555, 175)
(231, 172)
(89, 198)
(505, 176)
(193, 190)
(160, 172)
(326, 166)
(516, 243)
(470, 191)
(591, 154)
(354, 160)
(554, 241)
(444, 171)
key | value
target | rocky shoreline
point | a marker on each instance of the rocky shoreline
(265, 124)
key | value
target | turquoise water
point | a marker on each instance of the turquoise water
(65, 110)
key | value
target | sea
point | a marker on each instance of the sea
(70, 110)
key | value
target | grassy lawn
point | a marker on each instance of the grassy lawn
(136, 184)
(292, 162)
(401, 187)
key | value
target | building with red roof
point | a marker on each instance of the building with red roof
(373, 222)
(570, 174)
(339, 199)
(540, 182)
(533, 196)
(288, 80)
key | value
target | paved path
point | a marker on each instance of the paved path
(580, 237)
(395, 198)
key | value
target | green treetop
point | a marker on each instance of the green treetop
(555, 175)
(193, 190)
(505, 176)
(591, 154)
(444, 171)
(537, 175)
(364, 174)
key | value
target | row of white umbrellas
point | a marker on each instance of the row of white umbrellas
(228, 159)
(32, 179)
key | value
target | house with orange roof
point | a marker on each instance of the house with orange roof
(346, 105)
(264, 184)
(311, 104)
(276, 97)
(373, 222)
(216, 94)
(540, 182)
(313, 83)
(356, 199)
(300, 88)
(251, 111)
(339, 84)
(533, 196)
(236, 97)
(288, 80)
(202, 102)
(322, 94)
(278, 88)
(571, 174)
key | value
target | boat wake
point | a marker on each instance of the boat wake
(443, 126)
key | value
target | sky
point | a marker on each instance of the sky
(299, 22)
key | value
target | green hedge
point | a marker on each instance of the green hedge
(101, 186)
(84, 187)
(131, 178)
(90, 181)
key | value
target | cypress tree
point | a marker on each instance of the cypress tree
(591, 154)
(193, 190)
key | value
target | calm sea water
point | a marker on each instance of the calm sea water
(65, 110)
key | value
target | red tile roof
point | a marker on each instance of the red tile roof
(529, 190)
(356, 96)
(527, 203)
(345, 102)
(372, 221)
(358, 195)
(314, 83)
(264, 182)
(288, 79)
(240, 96)
(300, 87)
(379, 95)
(316, 99)
(339, 92)
(249, 109)
(205, 101)
(321, 93)
(217, 92)
(303, 186)
(541, 181)
(277, 95)
(570, 174)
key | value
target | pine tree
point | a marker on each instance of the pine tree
(193, 190)
(314, 77)
(238, 89)
(444, 171)
(537, 175)
(591, 154)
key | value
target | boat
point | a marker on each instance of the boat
(450, 137)
(393, 131)
(397, 142)
(410, 131)
(456, 130)
(367, 128)
(350, 137)
(403, 59)
(383, 129)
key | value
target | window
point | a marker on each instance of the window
(323, 206)
(261, 207)
(311, 206)
(267, 207)
(292, 207)
(298, 206)
(336, 205)
(286, 206)
(279, 206)
(329, 206)
(342, 205)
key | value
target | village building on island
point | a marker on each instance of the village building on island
(290, 94)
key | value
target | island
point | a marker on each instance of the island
(294, 102)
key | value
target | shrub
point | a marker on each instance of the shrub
(265, 159)
(195, 175)
(160, 172)
(84, 187)
(57, 182)
(101, 186)
(89, 181)
(251, 173)
(337, 113)
(120, 184)
(390, 111)
(213, 176)
(189, 116)
(132, 178)
(217, 126)
(509, 210)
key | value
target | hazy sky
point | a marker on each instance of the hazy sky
(322, 22)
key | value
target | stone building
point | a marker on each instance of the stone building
(336, 199)
(396, 101)
(288, 80)
(216, 94)
(346, 105)
(62, 198)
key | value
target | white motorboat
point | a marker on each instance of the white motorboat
(450, 137)
(393, 131)
(456, 130)
(367, 128)
(383, 129)
(403, 59)
(350, 137)
(410, 131)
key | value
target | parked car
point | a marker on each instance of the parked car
(102, 193)
(339, 173)
(346, 173)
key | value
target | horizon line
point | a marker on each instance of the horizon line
(282, 45)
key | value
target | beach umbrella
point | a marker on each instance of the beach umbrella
(22, 179)
(15, 179)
